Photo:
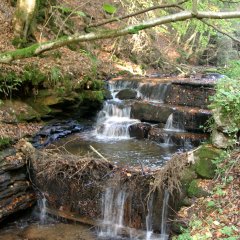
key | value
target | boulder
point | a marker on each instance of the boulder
(140, 130)
(221, 140)
(191, 95)
(203, 161)
(127, 94)
(17, 111)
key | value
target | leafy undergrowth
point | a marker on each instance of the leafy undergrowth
(217, 215)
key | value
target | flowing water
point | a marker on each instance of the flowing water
(111, 138)
(174, 126)
(164, 235)
(43, 209)
(113, 212)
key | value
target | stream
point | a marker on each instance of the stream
(110, 137)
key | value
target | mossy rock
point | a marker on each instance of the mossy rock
(187, 177)
(204, 166)
(17, 111)
(194, 190)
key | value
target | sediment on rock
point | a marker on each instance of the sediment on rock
(15, 189)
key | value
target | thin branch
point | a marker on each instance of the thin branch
(221, 31)
(214, 27)
(115, 19)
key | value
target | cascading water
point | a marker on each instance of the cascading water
(113, 212)
(149, 218)
(164, 235)
(153, 92)
(170, 125)
(148, 91)
(113, 121)
(43, 209)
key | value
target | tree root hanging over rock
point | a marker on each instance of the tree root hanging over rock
(170, 176)
(58, 163)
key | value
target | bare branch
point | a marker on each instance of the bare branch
(220, 31)
(115, 19)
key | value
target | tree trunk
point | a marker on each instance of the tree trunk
(23, 18)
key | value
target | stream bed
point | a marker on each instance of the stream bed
(110, 138)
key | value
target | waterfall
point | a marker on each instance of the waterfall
(148, 91)
(153, 92)
(43, 209)
(170, 125)
(113, 213)
(149, 219)
(164, 235)
(113, 121)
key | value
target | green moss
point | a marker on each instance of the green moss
(204, 166)
(187, 177)
(136, 29)
(194, 190)
(23, 53)
(92, 96)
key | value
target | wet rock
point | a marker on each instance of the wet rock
(126, 94)
(213, 76)
(177, 138)
(107, 95)
(151, 112)
(54, 131)
(140, 130)
(192, 119)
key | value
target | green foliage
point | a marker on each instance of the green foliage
(228, 230)
(4, 142)
(31, 74)
(227, 102)
(54, 77)
(233, 70)
(211, 204)
(9, 82)
(108, 8)
(67, 10)
(223, 163)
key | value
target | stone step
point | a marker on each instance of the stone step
(189, 95)
(176, 138)
(15, 190)
(192, 119)
(176, 91)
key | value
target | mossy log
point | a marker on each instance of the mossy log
(37, 49)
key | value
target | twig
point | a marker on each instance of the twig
(99, 154)
(136, 13)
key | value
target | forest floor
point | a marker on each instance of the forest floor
(216, 216)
